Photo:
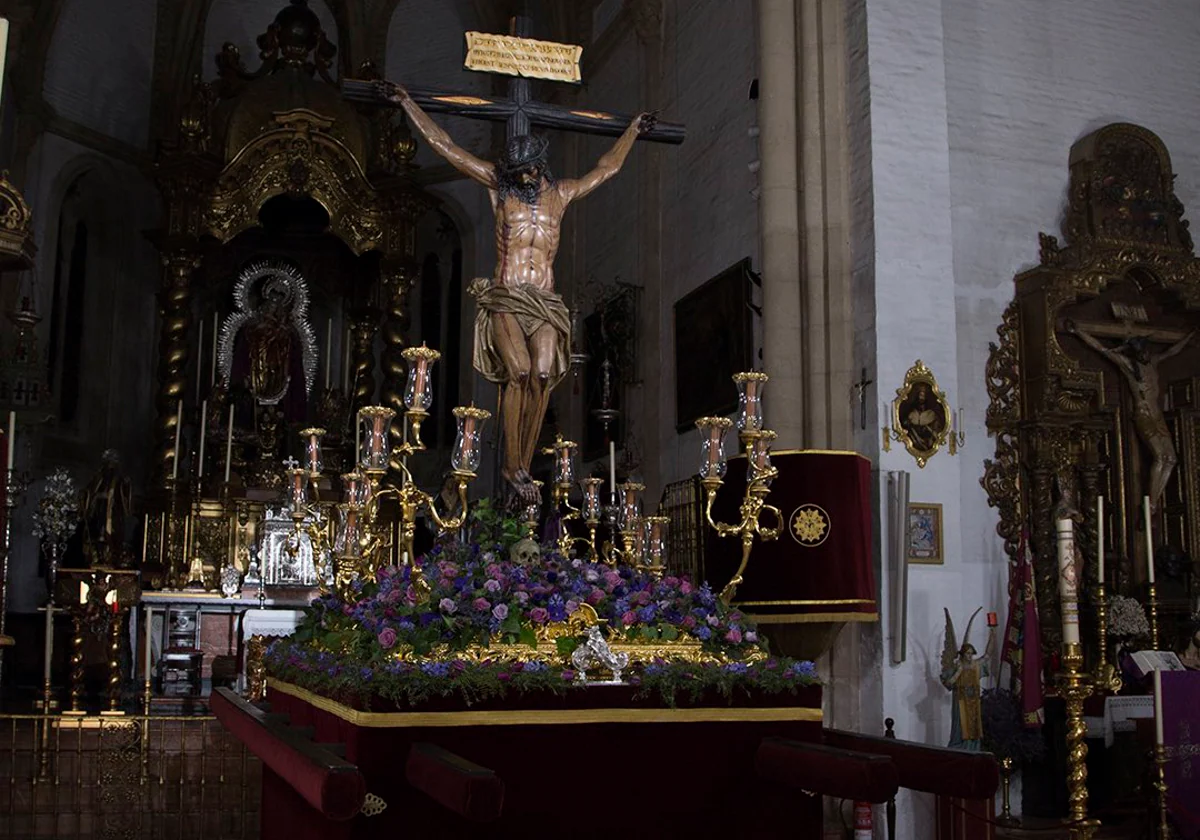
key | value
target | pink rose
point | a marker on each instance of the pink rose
(572, 606)
(689, 621)
(522, 598)
(629, 619)
(538, 615)
(734, 635)
(685, 588)
(481, 604)
(387, 638)
(671, 581)
(751, 636)
(500, 612)
(612, 580)
(410, 594)
(596, 596)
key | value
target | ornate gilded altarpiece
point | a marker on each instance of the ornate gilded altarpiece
(1061, 412)
(244, 140)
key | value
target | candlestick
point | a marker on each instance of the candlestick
(49, 643)
(229, 445)
(178, 429)
(1068, 592)
(1074, 688)
(1160, 787)
(203, 428)
(1100, 538)
(1158, 710)
(612, 470)
(1149, 539)
(199, 359)
(328, 350)
(1153, 610)
(149, 635)
(12, 440)
(212, 377)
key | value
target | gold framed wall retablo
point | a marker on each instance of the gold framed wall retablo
(925, 534)
(921, 416)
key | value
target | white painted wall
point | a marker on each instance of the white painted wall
(99, 67)
(974, 107)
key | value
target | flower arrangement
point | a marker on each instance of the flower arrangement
(389, 641)
(1126, 618)
(57, 514)
(1004, 733)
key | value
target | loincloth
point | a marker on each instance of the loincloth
(532, 308)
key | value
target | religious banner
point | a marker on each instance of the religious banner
(1022, 648)
(1181, 735)
(512, 56)
(820, 568)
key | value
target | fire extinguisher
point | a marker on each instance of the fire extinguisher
(863, 826)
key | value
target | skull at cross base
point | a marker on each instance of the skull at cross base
(525, 552)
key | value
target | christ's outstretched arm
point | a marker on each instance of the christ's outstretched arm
(458, 157)
(1175, 348)
(610, 162)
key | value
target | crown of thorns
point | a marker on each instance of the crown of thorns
(523, 151)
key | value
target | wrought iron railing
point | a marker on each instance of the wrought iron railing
(125, 776)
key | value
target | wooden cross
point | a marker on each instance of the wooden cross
(860, 391)
(520, 110)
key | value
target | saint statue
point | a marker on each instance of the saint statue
(105, 504)
(1140, 368)
(267, 343)
(522, 328)
(963, 673)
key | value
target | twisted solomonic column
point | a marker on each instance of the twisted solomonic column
(174, 308)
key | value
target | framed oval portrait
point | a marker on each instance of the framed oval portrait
(921, 414)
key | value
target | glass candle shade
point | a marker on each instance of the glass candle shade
(656, 539)
(298, 488)
(565, 462)
(750, 387)
(630, 510)
(376, 424)
(347, 542)
(712, 445)
(760, 457)
(466, 453)
(418, 391)
(591, 499)
(312, 450)
(357, 488)
(637, 541)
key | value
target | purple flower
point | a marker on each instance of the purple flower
(713, 621)
(629, 618)
(481, 604)
(538, 615)
(557, 607)
(734, 635)
(492, 585)
(447, 606)
(522, 598)
(436, 669)
(500, 611)
(703, 633)
(572, 605)
(568, 675)
(387, 638)
(751, 636)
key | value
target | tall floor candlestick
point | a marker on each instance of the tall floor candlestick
(1106, 677)
(199, 360)
(203, 429)
(1149, 539)
(178, 431)
(49, 652)
(1153, 610)
(229, 445)
(612, 470)
(12, 440)
(1075, 688)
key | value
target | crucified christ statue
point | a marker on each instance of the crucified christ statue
(1140, 368)
(522, 328)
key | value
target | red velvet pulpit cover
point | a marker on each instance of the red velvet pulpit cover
(820, 568)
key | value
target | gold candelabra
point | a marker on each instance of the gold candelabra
(1106, 677)
(1153, 609)
(1075, 687)
(1160, 790)
(759, 473)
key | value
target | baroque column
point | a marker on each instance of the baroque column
(779, 219)
(362, 359)
(174, 299)
(396, 277)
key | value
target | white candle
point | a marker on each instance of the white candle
(1100, 539)
(1158, 711)
(12, 440)
(49, 642)
(178, 429)
(612, 470)
(149, 635)
(328, 350)
(1068, 593)
(1149, 538)
(203, 428)
(229, 445)
(199, 359)
(216, 328)
(3, 52)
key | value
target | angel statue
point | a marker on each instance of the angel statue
(962, 674)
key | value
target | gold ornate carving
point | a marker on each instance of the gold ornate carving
(16, 228)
